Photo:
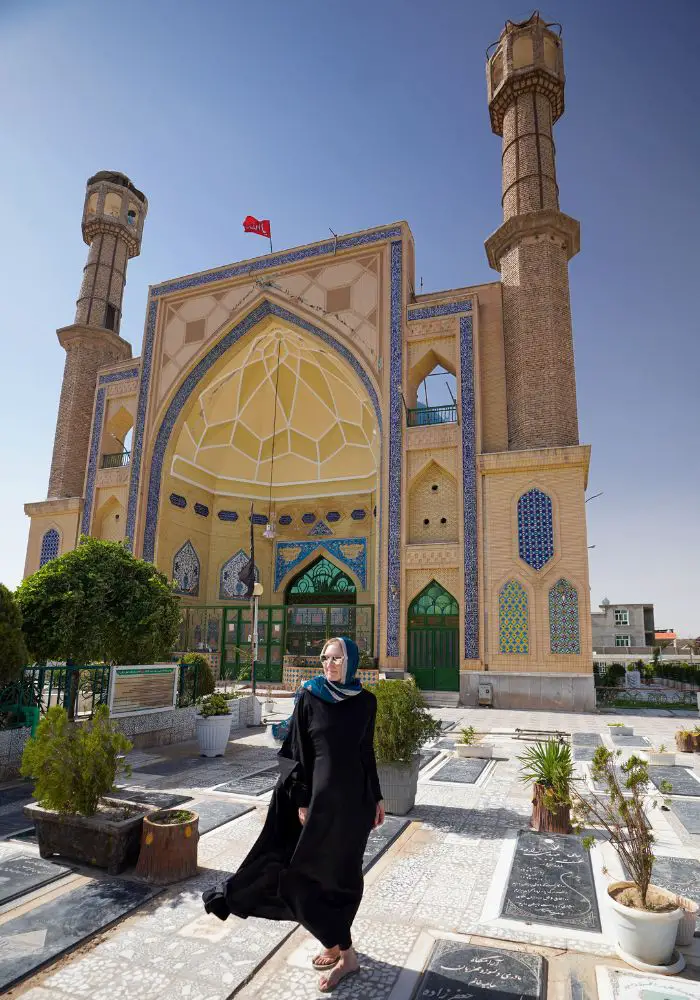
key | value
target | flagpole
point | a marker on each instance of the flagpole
(270, 244)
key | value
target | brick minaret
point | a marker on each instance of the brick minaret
(525, 80)
(112, 226)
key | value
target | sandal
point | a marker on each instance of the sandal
(323, 964)
(345, 975)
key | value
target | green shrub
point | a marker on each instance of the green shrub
(403, 722)
(551, 765)
(199, 665)
(13, 652)
(73, 766)
(213, 704)
(468, 736)
(366, 661)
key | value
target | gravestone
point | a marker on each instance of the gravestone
(457, 971)
(215, 812)
(680, 778)
(633, 679)
(688, 813)
(18, 793)
(42, 934)
(629, 741)
(381, 839)
(445, 744)
(551, 882)
(586, 740)
(463, 771)
(623, 984)
(584, 753)
(447, 726)
(426, 756)
(177, 765)
(24, 873)
(679, 875)
(251, 784)
(163, 800)
(14, 820)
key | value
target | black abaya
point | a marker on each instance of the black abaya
(313, 874)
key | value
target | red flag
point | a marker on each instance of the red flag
(259, 226)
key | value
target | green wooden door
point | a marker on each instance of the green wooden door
(433, 639)
(238, 633)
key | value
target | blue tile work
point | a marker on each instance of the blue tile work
(513, 618)
(93, 460)
(201, 509)
(443, 309)
(118, 376)
(258, 518)
(276, 260)
(50, 545)
(393, 590)
(177, 501)
(186, 570)
(351, 552)
(227, 515)
(535, 528)
(184, 392)
(471, 565)
(564, 636)
(320, 528)
(229, 578)
(332, 516)
(285, 519)
(358, 515)
(308, 518)
(144, 386)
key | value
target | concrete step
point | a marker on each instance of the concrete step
(441, 699)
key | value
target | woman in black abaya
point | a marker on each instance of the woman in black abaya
(307, 863)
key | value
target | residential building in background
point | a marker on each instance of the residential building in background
(625, 628)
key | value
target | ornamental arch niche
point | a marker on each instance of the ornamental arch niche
(433, 639)
(432, 506)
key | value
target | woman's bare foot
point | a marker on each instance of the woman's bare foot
(327, 959)
(348, 964)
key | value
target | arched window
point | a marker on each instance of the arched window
(513, 635)
(433, 601)
(321, 583)
(564, 636)
(50, 545)
(230, 585)
(435, 399)
(113, 204)
(186, 570)
(535, 528)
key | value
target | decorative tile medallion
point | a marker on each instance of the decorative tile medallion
(351, 552)
(285, 519)
(178, 501)
(564, 636)
(258, 518)
(227, 515)
(513, 618)
(320, 528)
(50, 546)
(308, 518)
(201, 509)
(358, 515)
(535, 528)
(229, 578)
(186, 570)
(332, 516)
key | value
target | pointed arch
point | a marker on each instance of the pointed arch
(109, 520)
(421, 368)
(50, 546)
(230, 586)
(321, 582)
(186, 570)
(513, 618)
(433, 600)
(432, 506)
(535, 528)
(564, 628)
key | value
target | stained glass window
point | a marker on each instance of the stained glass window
(322, 582)
(50, 544)
(513, 618)
(535, 528)
(563, 618)
(434, 600)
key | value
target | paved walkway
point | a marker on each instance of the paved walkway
(443, 877)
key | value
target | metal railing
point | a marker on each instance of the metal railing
(428, 415)
(79, 689)
(117, 460)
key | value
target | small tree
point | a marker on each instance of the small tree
(13, 651)
(99, 603)
(403, 722)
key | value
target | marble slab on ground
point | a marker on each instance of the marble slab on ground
(584, 753)
(176, 765)
(623, 984)
(445, 744)
(679, 875)
(163, 800)
(13, 821)
(447, 726)
(215, 812)
(14, 794)
(31, 940)
(629, 741)
(251, 784)
(427, 756)
(24, 873)
(463, 771)
(688, 813)
(456, 971)
(381, 839)
(586, 740)
(682, 781)
(551, 882)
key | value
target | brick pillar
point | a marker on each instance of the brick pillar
(532, 248)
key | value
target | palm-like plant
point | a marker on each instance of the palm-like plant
(551, 766)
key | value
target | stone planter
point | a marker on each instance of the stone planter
(644, 938)
(685, 742)
(544, 820)
(169, 842)
(213, 733)
(686, 927)
(621, 730)
(93, 840)
(399, 784)
(482, 750)
(658, 759)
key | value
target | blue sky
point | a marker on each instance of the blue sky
(318, 114)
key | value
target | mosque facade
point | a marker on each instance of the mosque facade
(290, 390)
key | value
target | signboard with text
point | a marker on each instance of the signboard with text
(136, 689)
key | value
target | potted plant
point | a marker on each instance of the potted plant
(660, 757)
(403, 725)
(169, 846)
(550, 768)
(696, 738)
(685, 740)
(213, 725)
(621, 729)
(646, 917)
(469, 744)
(74, 767)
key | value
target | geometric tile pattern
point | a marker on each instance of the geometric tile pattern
(535, 529)
(50, 544)
(320, 528)
(471, 566)
(564, 635)
(186, 570)
(177, 501)
(395, 460)
(512, 618)
(229, 579)
(351, 552)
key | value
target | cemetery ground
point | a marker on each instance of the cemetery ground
(461, 900)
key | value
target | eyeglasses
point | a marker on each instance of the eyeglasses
(338, 659)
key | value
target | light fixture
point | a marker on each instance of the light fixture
(270, 529)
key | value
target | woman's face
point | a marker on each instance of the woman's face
(332, 661)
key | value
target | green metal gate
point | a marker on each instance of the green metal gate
(433, 639)
(238, 633)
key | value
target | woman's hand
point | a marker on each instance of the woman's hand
(380, 816)
(303, 813)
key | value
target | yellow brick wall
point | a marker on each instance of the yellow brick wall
(491, 377)
(432, 498)
(63, 515)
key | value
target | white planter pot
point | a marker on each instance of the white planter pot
(686, 928)
(661, 759)
(213, 732)
(648, 937)
(399, 784)
(482, 750)
(621, 730)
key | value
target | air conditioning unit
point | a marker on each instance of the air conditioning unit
(486, 694)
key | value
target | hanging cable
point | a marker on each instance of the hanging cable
(270, 531)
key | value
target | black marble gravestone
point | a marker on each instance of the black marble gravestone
(381, 839)
(586, 740)
(629, 741)
(447, 726)
(551, 882)
(176, 765)
(457, 971)
(15, 794)
(426, 756)
(462, 771)
(688, 813)
(251, 784)
(216, 812)
(583, 753)
(679, 875)
(14, 820)
(163, 800)
(680, 779)
(445, 744)
(40, 935)
(24, 873)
